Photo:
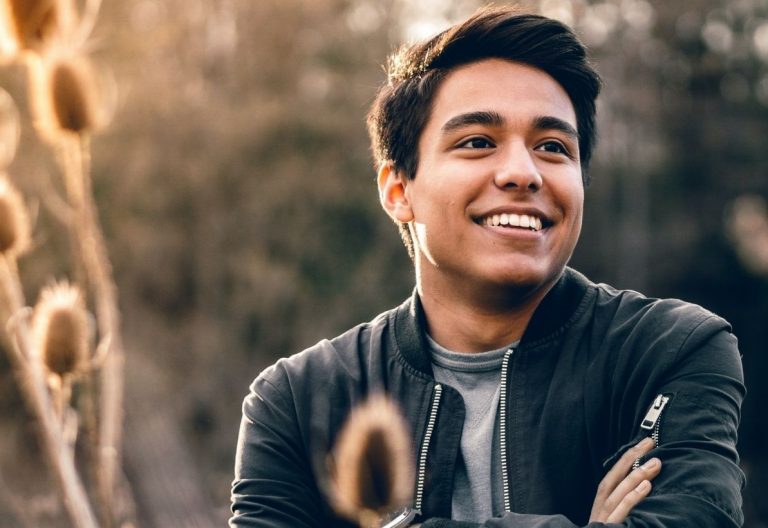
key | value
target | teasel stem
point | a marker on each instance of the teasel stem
(11, 287)
(31, 378)
(61, 390)
(63, 395)
(87, 21)
(75, 161)
(14, 221)
(68, 111)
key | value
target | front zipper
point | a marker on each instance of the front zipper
(503, 430)
(425, 446)
(652, 421)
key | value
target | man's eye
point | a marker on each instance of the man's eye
(555, 147)
(476, 143)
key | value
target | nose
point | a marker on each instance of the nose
(518, 170)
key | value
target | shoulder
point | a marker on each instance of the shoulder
(651, 336)
(319, 384)
(625, 314)
(343, 355)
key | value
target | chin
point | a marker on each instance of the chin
(525, 281)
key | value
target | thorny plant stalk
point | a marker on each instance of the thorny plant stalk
(32, 383)
(74, 157)
(49, 34)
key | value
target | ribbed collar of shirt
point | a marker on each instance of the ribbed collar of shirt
(466, 362)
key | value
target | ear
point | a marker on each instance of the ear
(394, 199)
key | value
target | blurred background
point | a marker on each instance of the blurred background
(238, 200)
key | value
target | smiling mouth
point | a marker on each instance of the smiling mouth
(520, 221)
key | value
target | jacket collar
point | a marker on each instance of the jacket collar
(551, 317)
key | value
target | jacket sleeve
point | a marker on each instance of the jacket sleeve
(700, 482)
(274, 485)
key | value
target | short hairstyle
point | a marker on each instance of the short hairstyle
(403, 105)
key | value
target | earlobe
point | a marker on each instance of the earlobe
(392, 193)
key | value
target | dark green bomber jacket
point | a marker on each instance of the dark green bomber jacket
(596, 370)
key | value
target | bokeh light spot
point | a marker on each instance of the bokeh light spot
(760, 41)
(718, 36)
(364, 17)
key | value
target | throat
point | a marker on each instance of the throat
(466, 328)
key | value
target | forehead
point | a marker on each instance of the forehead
(517, 91)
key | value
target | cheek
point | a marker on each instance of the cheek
(572, 192)
(577, 207)
(431, 201)
(571, 198)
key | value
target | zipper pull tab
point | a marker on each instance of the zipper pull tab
(654, 411)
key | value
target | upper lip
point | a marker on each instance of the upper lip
(530, 211)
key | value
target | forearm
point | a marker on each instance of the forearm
(686, 511)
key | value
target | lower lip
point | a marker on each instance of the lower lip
(514, 233)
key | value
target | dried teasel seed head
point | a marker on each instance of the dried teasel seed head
(372, 465)
(65, 96)
(14, 221)
(61, 330)
(32, 25)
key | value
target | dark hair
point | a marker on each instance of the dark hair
(403, 105)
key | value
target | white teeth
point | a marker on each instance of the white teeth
(514, 220)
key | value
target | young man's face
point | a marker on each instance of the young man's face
(497, 198)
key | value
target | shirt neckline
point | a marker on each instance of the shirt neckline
(466, 362)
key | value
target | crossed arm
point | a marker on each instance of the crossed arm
(621, 489)
(701, 482)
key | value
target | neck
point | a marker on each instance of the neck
(468, 321)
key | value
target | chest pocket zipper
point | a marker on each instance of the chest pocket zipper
(652, 421)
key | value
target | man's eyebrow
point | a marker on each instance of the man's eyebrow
(495, 119)
(555, 123)
(481, 117)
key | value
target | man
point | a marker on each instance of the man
(529, 390)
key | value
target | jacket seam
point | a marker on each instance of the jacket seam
(278, 392)
(696, 324)
(696, 402)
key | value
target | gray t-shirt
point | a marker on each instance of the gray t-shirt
(477, 486)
